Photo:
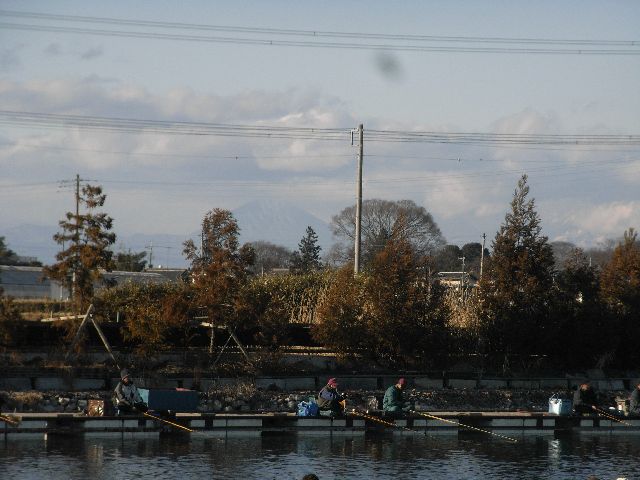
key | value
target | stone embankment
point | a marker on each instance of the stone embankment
(246, 398)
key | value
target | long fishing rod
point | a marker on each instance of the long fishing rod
(167, 421)
(611, 417)
(381, 422)
(11, 420)
(465, 426)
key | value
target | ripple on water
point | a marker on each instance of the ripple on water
(290, 457)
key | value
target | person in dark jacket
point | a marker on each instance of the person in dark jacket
(584, 399)
(634, 401)
(393, 401)
(330, 399)
(127, 396)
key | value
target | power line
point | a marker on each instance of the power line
(118, 124)
(390, 182)
(631, 51)
(326, 155)
(171, 155)
(317, 33)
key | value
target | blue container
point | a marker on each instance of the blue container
(174, 400)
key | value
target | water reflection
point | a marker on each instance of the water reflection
(284, 457)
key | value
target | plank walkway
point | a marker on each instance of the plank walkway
(224, 425)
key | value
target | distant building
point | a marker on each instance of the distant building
(29, 282)
(456, 280)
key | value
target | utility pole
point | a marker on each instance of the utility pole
(358, 234)
(484, 236)
(150, 247)
(76, 239)
(75, 236)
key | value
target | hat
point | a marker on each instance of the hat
(124, 373)
(332, 382)
(401, 381)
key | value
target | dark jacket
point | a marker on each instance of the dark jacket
(634, 402)
(329, 399)
(393, 399)
(584, 399)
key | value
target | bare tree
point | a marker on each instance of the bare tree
(380, 219)
(562, 251)
(269, 256)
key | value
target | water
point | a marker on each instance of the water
(288, 457)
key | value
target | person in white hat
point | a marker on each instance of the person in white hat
(127, 396)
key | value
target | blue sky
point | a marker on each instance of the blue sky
(583, 195)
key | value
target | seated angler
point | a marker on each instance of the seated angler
(393, 401)
(585, 399)
(127, 396)
(330, 399)
(634, 401)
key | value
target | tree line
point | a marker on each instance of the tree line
(526, 308)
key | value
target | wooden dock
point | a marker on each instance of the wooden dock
(225, 425)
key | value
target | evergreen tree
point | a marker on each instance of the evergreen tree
(11, 328)
(390, 314)
(621, 276)
(578, 310)
(7, 256)
(219, 268)
(620, 289)
(405, 314)
(129, 261)
(88, 238)
(517, 288)
(307, 258)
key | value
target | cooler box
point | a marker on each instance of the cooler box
(560, 406)
(174, 400)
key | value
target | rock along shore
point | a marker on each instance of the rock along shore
(246, 398)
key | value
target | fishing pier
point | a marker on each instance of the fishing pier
(498, 424)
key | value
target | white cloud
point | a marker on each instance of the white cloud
(102, 98)
(591, 223)
(174, 179)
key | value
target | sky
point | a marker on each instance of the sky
(161, 183)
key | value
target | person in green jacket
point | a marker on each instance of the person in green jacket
(393, 401)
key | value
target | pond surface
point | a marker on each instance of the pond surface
(289, 457)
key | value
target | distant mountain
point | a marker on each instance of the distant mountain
(279, 222)
(32, 241)
(273, 221)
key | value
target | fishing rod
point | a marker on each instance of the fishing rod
(11, 420)
(167, 421)
(382, 422)
(463, 425)
(611, 417)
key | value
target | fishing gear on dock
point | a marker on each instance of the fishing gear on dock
(463, 425)
(381, 422)
(11, 420)
(168, 422)
(610, 417)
